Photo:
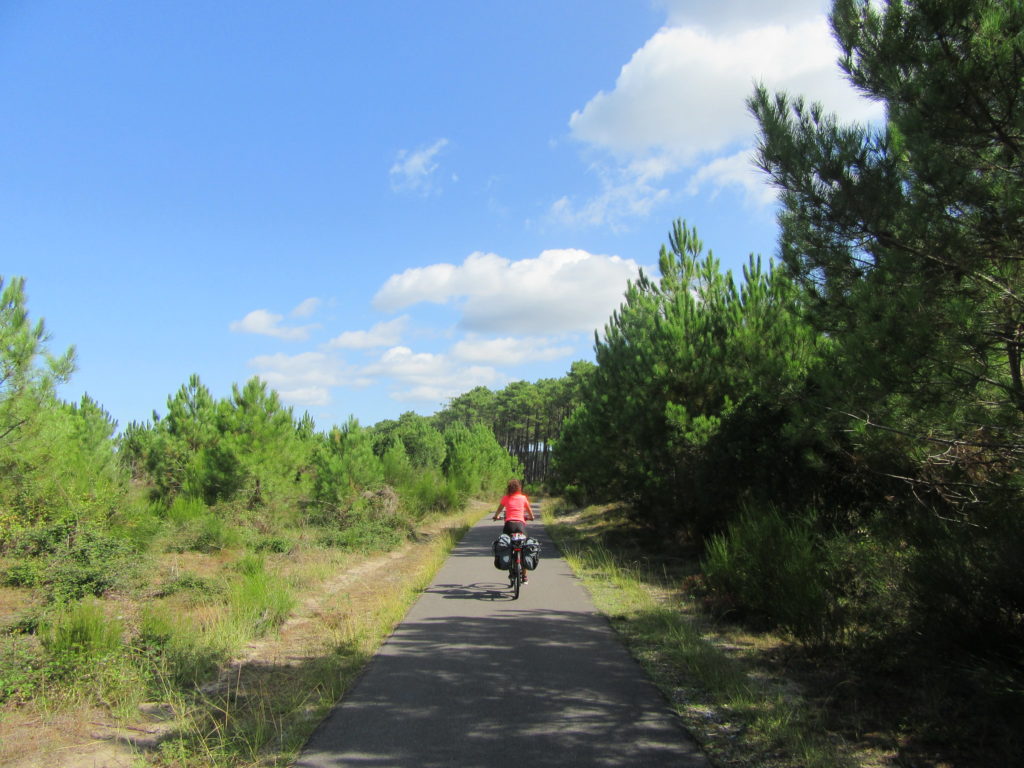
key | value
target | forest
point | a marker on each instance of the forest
(836, 433)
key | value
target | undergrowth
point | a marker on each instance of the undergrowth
(740, 716)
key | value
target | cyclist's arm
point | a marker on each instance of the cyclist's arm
(498, 511)
(529, 511)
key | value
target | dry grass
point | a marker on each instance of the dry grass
(261, 705)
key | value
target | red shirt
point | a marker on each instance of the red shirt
(515, 507)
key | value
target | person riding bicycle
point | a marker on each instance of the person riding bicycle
(517, 510)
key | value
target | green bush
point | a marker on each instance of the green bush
(28, 573)
(274, 543)
(205, 533)
(92, 563)
(365, 535)
(430, 492)
(773, 566)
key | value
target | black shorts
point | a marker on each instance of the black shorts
(514, 526)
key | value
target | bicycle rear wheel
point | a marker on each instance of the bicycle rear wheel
(517, 577)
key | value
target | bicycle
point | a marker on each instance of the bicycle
(516, 569)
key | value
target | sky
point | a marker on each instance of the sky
(374, 205)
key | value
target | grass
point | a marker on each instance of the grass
(262, 711)
(740, 715)
(228, 655)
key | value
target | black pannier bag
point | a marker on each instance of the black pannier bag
(531, 554)
(502, 552)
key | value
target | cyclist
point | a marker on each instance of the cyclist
(517, 510)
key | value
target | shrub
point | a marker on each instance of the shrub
(28, 573)
(274, 543)
(92, 563)
(204, 533)
(191, 582)
(774, 566)
(365, 535)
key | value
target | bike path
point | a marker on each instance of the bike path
(473, 678)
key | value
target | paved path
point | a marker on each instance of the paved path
(473, 678)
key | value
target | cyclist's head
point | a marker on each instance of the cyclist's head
(514, 486)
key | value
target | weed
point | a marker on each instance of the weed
(21, 667)
(82, 632)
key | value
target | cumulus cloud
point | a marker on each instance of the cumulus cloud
(560, 291)
(304, 379)
(428, 377)
(384, 334)
(680, 101)
(508, 350)
(413, 170)
(265, 323)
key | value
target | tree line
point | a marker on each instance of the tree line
(525, 417)
(74, 490)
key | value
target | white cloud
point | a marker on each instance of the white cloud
(560, 291)
(625, 194)
(304, 379)
(265, 323)
(308, 396)
(384, 334)
(681, 99)
(306, 308)
(428, 377)
(734, 171)
(508, 350)
(413, 171)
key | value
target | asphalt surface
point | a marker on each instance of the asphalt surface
(474, 678)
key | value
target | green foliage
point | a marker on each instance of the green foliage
(692, 370)
(775, 566)
(904, 239)
(175, 650)
(344, 465)
(422, 443)
(22, 668)
(248, 447)
(398, 470)
(207, 532)
(525, 418)
(475, 463)
(56, 459)
(191, 583)
(69, 562)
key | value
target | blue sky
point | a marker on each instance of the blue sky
(374, 206)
